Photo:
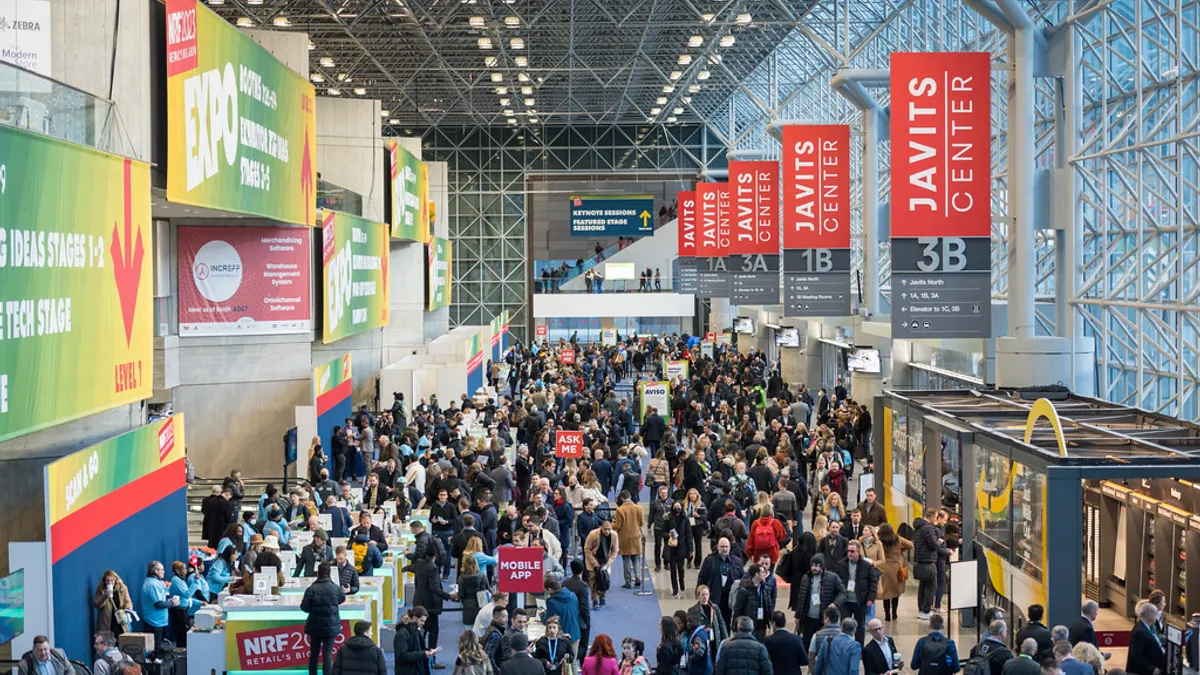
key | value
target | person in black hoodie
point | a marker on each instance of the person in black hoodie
(429, 593)
(360, 655)
(927, 547)
(320, 602)
(410, 646)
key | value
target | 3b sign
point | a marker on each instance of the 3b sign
(568, 444)
(567, 356)
(520, 570)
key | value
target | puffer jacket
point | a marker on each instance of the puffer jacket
(925, 545)
(833, 591)
(743, 655)
(359, 656)
(321, 601)
(409, 648)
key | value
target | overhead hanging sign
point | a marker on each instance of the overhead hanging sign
(612, 216)
(941, 195)
(712, 213)
(754, 232)
(439, 268)
(244, 280)
(76, 331)
(687, 224)
(410, 205)
(816, 220)
(354, 275)
(241, 126)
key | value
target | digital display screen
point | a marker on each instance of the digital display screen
(12, 606)
(743, 325)
(787, 337)
(863, 361)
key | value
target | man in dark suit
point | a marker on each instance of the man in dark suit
(1083, 629)
(787, 650)
(521, 663)
(1146, 654)
(853, 528)
(1024, 663)
(879, 656)
(833, 546)
(1070, 666)
(653, 430)
(218, 513)
(1039, 632)
(577, 585)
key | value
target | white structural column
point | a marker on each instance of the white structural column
(1022, 47)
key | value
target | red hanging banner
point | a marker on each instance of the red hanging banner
(687, 224)
(754, 188)
(708, 214)
(941, 144)
(816, 186)
(723, 220)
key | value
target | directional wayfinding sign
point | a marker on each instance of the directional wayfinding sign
(941, 214)
(816, 220)
(568, 444)
(612, 216)
(520, 569)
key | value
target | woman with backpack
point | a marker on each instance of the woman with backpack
(766, 534)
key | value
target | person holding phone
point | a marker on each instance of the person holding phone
(880, 656)
(324, 623)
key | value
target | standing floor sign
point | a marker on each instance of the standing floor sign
(656, 395)
(568, 444)
(332, 390)
(474, 364)
(76, 334)
(676, 368)
(567, 356)
(941, 215)
(520, 570)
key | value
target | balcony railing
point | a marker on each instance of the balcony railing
(45, 106)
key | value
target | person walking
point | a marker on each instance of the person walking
(412, 654)
(678, 548)
(1024, 663)
(787, 649)
(360, 655)
(880, 656)
(742, 654)
(1039, 632)
(819, 589)
(861, 580)
(521, 662)
(600, 551)
(840, 654)
(628, 522)
(430, 595)
(992, 653)
(324, 622)
(893, 571)
(719, 572)
(936, 654)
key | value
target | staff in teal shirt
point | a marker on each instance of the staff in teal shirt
(155, 601)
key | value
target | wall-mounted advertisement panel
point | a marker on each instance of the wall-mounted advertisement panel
(941, 215)
(241, 126)
(816, 220)
(75, 282)
(439, 273)
(624, 216)
(244, 280)
(26, 42)
(354, 275)
(410, 194)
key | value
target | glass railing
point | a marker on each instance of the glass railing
(338, 198)
(554, 285)
(39, 104)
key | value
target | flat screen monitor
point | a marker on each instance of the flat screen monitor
(744, 325)
(787, 337)
(616, 271)
(12, 606)
(863, 361)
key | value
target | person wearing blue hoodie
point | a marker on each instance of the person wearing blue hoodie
(223, 570)
(277, 526)
(155, 601)
(562, 603)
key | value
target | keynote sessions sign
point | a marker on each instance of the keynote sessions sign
(941, 216)
(816, 220)
(612, 216)
(244, 280)
(568, 444)
(438, 273)
(77, 322)
(520, 569)
(409, 195)
(354, 275)
(241, 126)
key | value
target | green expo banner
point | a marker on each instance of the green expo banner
(439, 273)
(76, 326)
(354, 275)
(241, 126)
(410, 194)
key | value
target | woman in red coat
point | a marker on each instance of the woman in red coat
(766, 533)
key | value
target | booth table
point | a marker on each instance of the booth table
(265, 635)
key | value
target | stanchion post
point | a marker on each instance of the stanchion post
(641, 591)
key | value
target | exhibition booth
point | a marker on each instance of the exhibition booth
(462, 351)
(114, 506)
(420, 376)
(1033, 483)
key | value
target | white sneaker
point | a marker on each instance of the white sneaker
(922, 616)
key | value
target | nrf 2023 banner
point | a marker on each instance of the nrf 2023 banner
(354, 275)
(244, 280)
(76, 326)
(439, 271)
(241, 126)
(409, 195)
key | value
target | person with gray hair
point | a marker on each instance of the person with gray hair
(1146, 654)
(840, 654)
(1024, 663)
(993, 652)
(108, 657)
(1083, 629)
(1060, 633)
(741, 654)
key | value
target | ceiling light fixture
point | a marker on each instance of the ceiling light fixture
(685, 59)
(675, 75)
(335, 92)
(668, 88)
(678, 111)
(533, 120)
(512, 120)
(477, 22)
(393, 121)
(655, 111)
(497, 77)
(508, 111)
(512, 21)
(521, 62)
(385, 113)
(703, 75)
(696, 42)
(529, 102)
(661, 100)
(708, 17)
(522, 77)
(527, 90)
(485, 43)
(281, 21)
(744, 19)
(502, 90)
(311, 46)
(491, 61)
(727, 40)
(715, 58)
(687, 99)
(505, 101)
(326, 62)
(672, 119)
(693, 88)
(216, 2)
(516, 43)
(245, 22)
(317, 77)
(360, 91)
(254, 2)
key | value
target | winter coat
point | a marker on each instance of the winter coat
(833, 592)
(591, 549)
(890, 585)
(711, 618)
(628, 523)
(409, 649)
(359, 656)
(468, 594)
(429, 592)
(106, 607)
(565, 606)
(743, 655)
(321, 601)
(925, 545)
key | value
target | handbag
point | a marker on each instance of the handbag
(902, 574)
(123, 619)
(923, 571)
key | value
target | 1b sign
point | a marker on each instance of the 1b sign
(567, 357)
(520, 570)
(568, 444)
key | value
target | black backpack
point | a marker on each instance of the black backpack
(933, 657)
(981, 663)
